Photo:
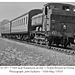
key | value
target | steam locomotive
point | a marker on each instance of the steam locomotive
(54, 24)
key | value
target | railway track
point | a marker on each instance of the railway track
(68, 51)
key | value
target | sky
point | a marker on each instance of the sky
(11, 10)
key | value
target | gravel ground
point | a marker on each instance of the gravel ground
(18, 54)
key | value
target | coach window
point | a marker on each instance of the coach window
(18, 22)
(14, 24)
(26, 20)
(22, 21)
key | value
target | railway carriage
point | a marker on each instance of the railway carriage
(37, 22)
(20, 27)
(5, 30)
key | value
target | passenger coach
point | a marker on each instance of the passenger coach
(21, 26)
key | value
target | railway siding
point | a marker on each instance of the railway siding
(16, 53)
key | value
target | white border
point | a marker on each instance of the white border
(67, 72)
(37, 0)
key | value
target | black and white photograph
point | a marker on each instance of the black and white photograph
(37, 33)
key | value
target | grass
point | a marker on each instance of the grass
(18, 54)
